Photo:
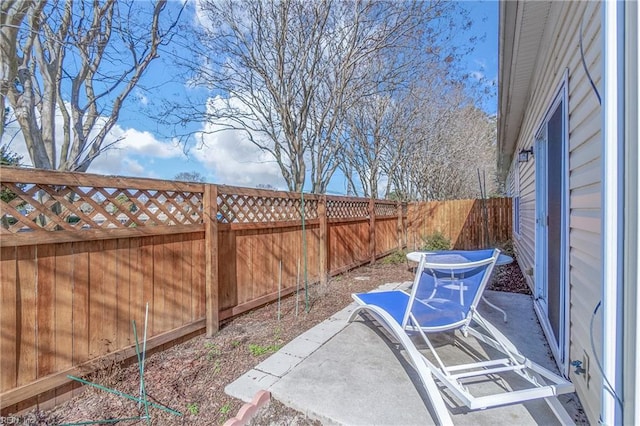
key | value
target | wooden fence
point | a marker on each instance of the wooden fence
(82, 255)
(467, 224)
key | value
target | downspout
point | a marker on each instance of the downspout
(612, 199)
(631, 339)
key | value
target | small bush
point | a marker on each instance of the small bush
(436, 241)
(507, 248)
(399, 256)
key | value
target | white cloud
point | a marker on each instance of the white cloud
(228, 156)
(144, 143)
(118, 159)
(477, 75)
(116, 162)
(141, 97)
(236, 160)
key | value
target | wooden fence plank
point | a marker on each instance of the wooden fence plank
(262, 267)
(46, 309)
(124, 331)
(81, 302)
(63, 306)
(184, 260)
(322, 232)
(197, 279)
(159, 283)
(110, 307)
(26, 333)
(181, 262)
(147, 267)
(170, 272)
(8, 323)
(136, 285)
(96, 299)
(244, 263)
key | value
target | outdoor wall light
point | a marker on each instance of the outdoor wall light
(523, 156)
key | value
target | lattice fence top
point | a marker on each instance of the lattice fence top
(242, 208)
(44, 201)
(385, 209)
(347, 209)
(42, 207)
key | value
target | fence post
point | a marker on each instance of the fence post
(211, 258)
(372, 229)
(322, 217)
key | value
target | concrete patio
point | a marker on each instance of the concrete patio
(352, 374)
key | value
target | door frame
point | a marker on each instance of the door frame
(561, 351)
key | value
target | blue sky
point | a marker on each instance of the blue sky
(148, 151)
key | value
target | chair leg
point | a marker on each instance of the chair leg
(437, 403)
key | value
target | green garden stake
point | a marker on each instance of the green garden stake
(142, 399)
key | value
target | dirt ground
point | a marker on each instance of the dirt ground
(190, 377)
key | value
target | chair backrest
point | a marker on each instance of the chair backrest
(448, 286)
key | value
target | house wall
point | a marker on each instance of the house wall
(560, 52)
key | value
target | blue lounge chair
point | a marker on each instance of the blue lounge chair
(444, 295)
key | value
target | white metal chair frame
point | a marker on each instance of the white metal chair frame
(544, 383)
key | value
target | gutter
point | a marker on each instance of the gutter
(507, 24)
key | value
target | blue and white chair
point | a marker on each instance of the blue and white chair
(445, 293)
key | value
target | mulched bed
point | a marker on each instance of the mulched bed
(190, 377)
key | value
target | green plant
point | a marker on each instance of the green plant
(193, 408)
(507, 248)
(277, 333)
(436, 241)
(225, 409)
(257, 350)
(212, 350)
(235, 343)
(398, 256)
(217, 367)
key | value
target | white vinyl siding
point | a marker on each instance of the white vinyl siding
(585, 185)
(560, 51)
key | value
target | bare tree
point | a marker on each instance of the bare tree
(286, 72)
(12, 15)
(394, 137)
(456, 139)
(405, 91)
(76, 62)
(190, 177)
